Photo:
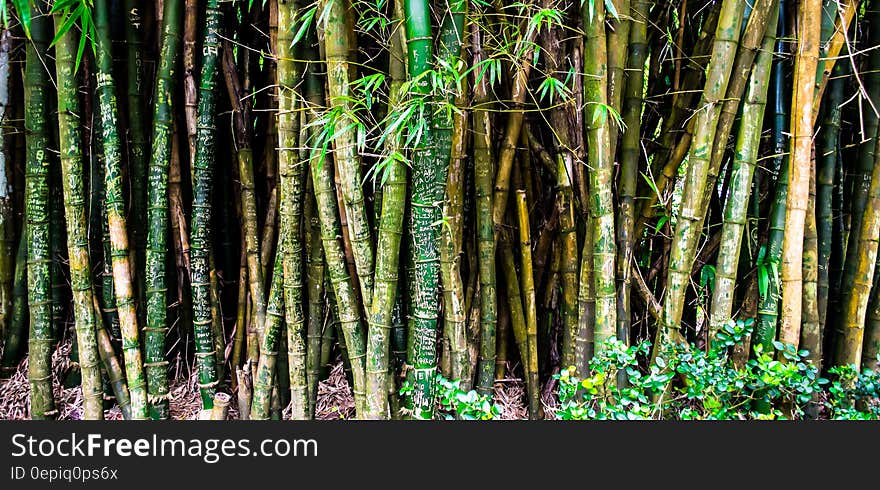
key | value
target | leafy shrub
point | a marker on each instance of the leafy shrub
(689, 384)
(692, 384)
(467, 405)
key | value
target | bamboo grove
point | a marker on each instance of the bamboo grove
(256, 191)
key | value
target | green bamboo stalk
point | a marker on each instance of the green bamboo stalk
(337, 47)
(19, 314)
(388, 243)
(451, 245)
(200, 223)
(755, 27)
(36, 89)
(428, 190)
(618, 51)
(115, 371)
(689, 225)
(449, 42)
(569, 265)
(743, 170)
(791, 273)
(398, 344)
(483, 173)
(829, 18)
(845, 12)
(584, 337)
(449, 127)
(57, 241)
(109, 313)
(75, 214)
(250, 233)
(7, 217)
(138, 140)
(630, 153)
(827, 152)
(241, 320)
(270, 222)
(449, 123)
(157, 213)
(334, 255)
(290, 241)
(768, 307)
(217, 331)
(600, 161)
(318, 332)
(515, 313)
(315, 288)
(329, 335)
(265, 376)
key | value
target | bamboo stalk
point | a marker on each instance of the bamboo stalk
(265, 376)
(524, 48)
(337, 47)
(204, 144)
(428, 190)
(19, 316)
(290, 168)
(629, 161)
(742, 65)
(387, 245)
(858, 197)
(791, 272)
(600, 161)
(855, 299)
(584, 341)
(530, 356)
(483, 172)
(569, 264)
(743, 170)
(450, 128)
(77, 225)
(241, 319)
(825, 174)
(109, 361)
(137, 137)
(7, 205)
(835, 45)
(220, 405)
(810, 333)
(617, 39)
(40, 339)
(690, 218)
(157, 215)
(244, 156)
(334, 254)
(768, 307)
(315, 288)
(516, 315)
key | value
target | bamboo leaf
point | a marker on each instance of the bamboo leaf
(23, 8)
(609, 7)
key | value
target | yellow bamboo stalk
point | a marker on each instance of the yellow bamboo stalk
(806, 61)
